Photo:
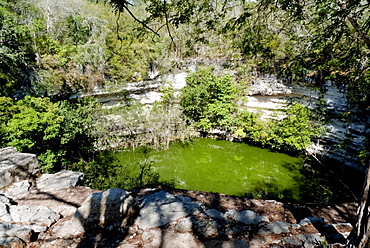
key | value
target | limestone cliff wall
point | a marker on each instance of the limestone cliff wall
(345, 130)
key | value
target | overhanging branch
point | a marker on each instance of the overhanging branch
(139, 21)
(365, 38)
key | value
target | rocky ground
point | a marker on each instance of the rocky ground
(51, 211)
(171, 218)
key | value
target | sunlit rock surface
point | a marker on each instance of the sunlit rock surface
(15, 166)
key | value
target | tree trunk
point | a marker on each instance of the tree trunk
(359, 237)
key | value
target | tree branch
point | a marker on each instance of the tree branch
(167, 23)
(360, 234)
(139, 21)
(365, 38)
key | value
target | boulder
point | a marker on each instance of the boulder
(246, 217)
(161, 208)
(17, 190)
(37, 218)
(20, 225)
(113, 207)
(15, 166)
(275, 227)
(312, 240)
(60, 180)
(10, 233)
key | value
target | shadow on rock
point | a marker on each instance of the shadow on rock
(105, 217)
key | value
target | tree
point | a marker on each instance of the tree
(209, 100)
(16, 53)
(79, 131)
(359, 237)
(33, 126)
(295, 131)
(339, 43)
(58, 133)
(336, 39)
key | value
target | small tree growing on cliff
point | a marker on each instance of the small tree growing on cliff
(209, 100)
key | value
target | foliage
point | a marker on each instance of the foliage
(34, 126)
(59, 133)
(209, 100)
(319, 39)
(334, 41)
(364, 154)
(99, 170)
(168, 98)
(128, 57)
(136, 126)
(53, 49)
(296, 130)
(79, 130)
(7, 109)
(16, 53)
(71, 44)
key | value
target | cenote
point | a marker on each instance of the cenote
(239, 169)
(218, 166)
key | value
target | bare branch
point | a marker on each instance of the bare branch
(137, 20)
(167, 23)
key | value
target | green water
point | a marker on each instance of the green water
(221, 166)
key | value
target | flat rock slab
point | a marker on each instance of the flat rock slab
(60, 180)
(161, 208)
(17, 190)
(246, 217)
(62, 201)
(38, 215)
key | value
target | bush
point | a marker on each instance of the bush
(291, 133)
(58, 133)
(209, 100)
